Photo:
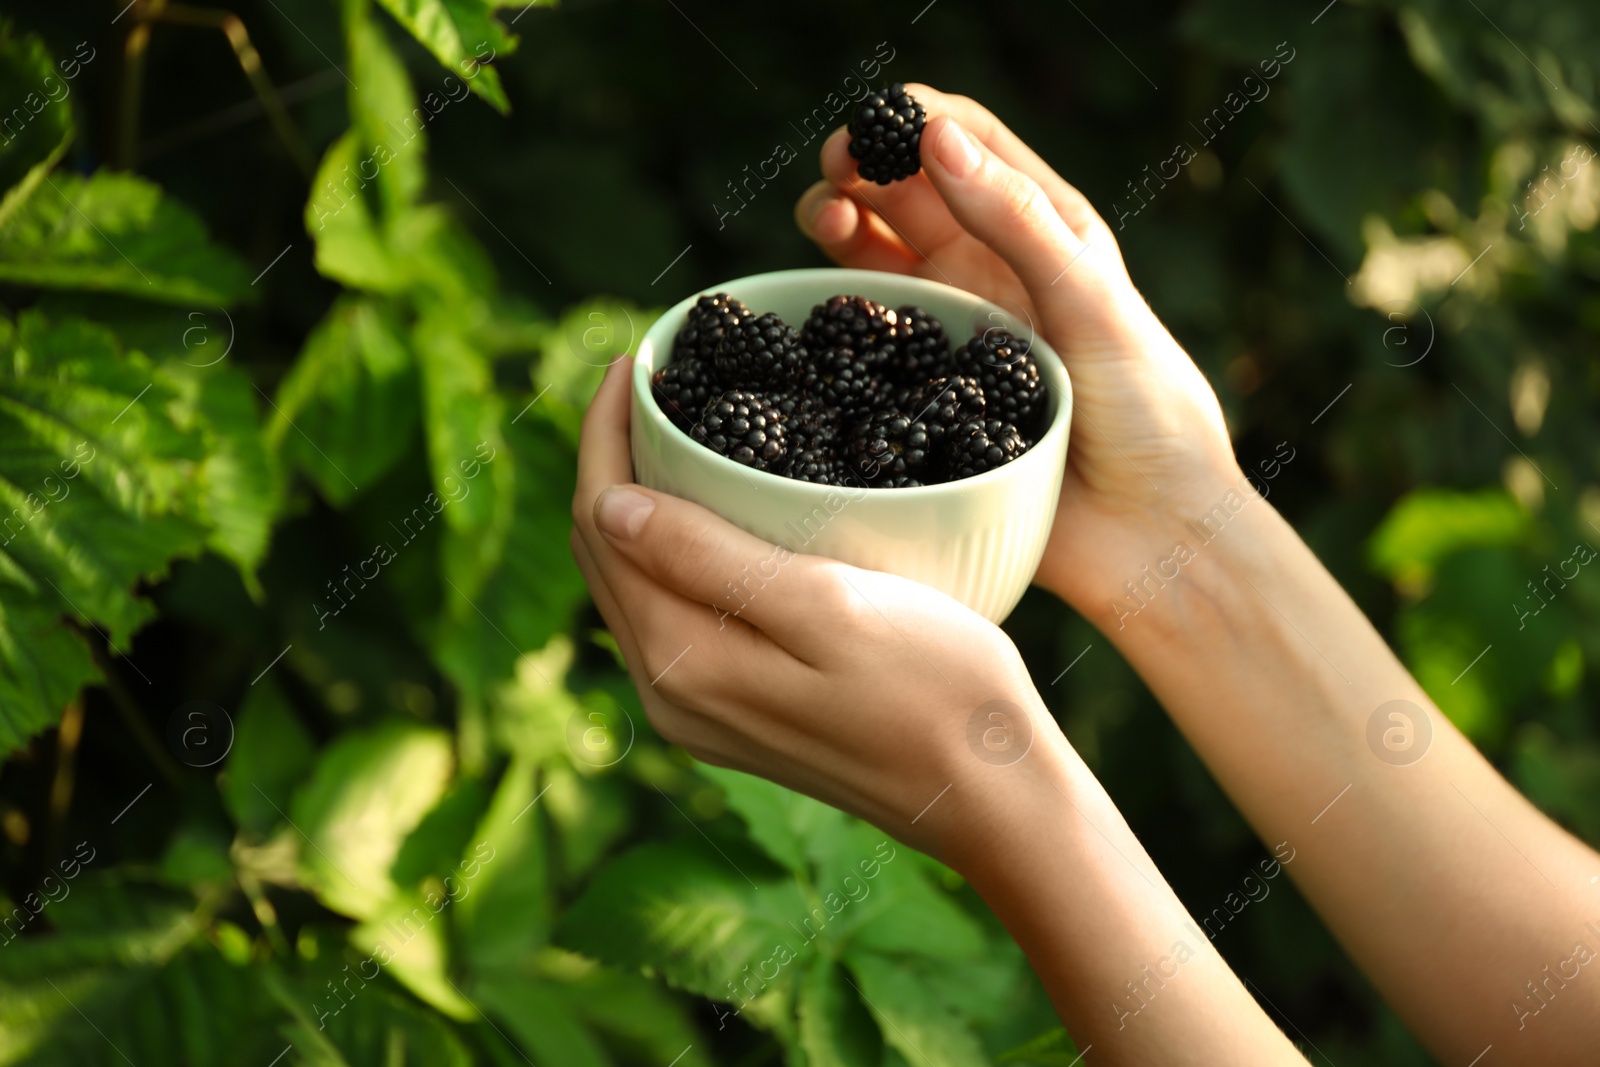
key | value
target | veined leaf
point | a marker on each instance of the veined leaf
(542, 1019)
(97, 491)
(38, 127)
(1053, 1048)
(409, 939)
(693, 917)
(348, 409)
(532, 592)
(912, 1019)
(384, 111)
(374, 1027)
(117, 233)
(351, 247)
(369, 790)
(503, 879)
(835, 1027)
(464, 36)
(781, 821)
(272, 753)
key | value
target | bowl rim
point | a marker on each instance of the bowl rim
(1060, 386)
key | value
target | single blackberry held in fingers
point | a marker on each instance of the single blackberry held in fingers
(745, 427)
(861, 395)
(886, 135)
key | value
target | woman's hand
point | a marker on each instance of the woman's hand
(1149, 447)
(852, 686)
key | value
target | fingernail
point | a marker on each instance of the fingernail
(956, 152)
(621, 512)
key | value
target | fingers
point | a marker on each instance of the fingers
(851, 234)
(1009, 212)
(912, 206)
(706, 560)
(982, 123)
(604, 456)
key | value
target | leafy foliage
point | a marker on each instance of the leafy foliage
(329, 493)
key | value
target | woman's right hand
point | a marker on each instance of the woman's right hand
(1149, 447)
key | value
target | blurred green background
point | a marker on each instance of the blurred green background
(273, 791)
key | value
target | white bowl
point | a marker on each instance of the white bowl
(978, 539)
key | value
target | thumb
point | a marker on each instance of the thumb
(1010, 212)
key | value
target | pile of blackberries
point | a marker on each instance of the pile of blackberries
(861, 395)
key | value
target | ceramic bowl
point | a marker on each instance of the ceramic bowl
(978, 539)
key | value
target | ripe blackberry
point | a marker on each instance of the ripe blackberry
(889, 445)
(708, 322)
(945, 403)
(758, 353)
(745, 427)
(1009, 376)
(864, 326)
(838, 379)
(975, 447)
(682, 389)
(818, 463)
(920, 348)
(886, 135)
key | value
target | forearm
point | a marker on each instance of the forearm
(1133, 977)
(1422, 866)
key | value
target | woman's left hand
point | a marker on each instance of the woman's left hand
(849, 685)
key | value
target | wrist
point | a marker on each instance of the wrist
(1002, 790)
(1202, 579)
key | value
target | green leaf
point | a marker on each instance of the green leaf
(638, 1017)
(374, 1027)
(532, 593)
(897, 911)
(914, 1020)
(589, 812)
(462, 415)
(464, 36)
(241, 486)
(116, 233)
(434, 847)
(1429, 524)
(351, 247)
(368, 791)
(97, 492)
(543, 1020)
(505, 912)
(575, 352)
(781, 821)
(689, 914)
(349, 407)
(1053, 1048)
(384, 111)
(37, 90)
(409, 937)
(835, 1028)
(272, 753)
